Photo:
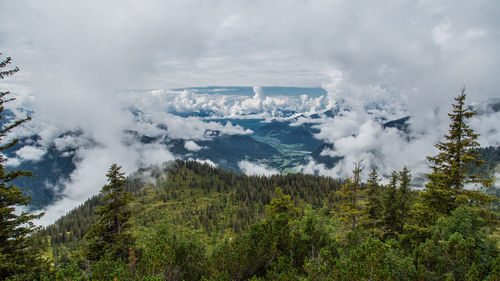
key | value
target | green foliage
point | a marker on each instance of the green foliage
(373, 260)
(374, 207)
(109, 268)
(459, 245)
(255, 253)
(351, 207)
(109, 234)
(404, 197)
(390, 214)
(311, 233)
(278, 247)
(281, 206)
(361, 257)
(246, 256)
(70, 272)
(173, 254)
(397, 203)
(212, 202)
(282, 269)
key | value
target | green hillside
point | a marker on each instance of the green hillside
(213, 203)
(192, 221)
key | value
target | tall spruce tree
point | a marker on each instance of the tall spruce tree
(109, 235)
(20, 256)
(351, 206)
(404, 198)
(390, 214)
(457, 155)
(397, 202)
(374, 205)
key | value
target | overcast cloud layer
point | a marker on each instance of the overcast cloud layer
(76, 56)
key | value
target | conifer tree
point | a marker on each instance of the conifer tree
(351, 206)
(404, 198)
(374, 205)
(19, 254)
(457, 155)
(397, 202)
(109, 235)
(282, 206)
(390, 215)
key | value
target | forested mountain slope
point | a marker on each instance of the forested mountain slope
(213, 202)
(193, 221)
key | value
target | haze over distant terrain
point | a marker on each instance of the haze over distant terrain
(106, 82)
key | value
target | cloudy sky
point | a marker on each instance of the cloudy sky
(78, 57)
(408, 45)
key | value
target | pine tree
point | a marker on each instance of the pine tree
(458, 154)
(374, 205)
(109, 234)
(404, 198)
(390, 215)
(351, 206)
(19, 254)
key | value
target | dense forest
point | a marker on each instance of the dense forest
(190, 221)
(213, 202)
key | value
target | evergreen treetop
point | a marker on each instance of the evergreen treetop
(457, 155)
(109, 234)
(373, 205)
(351, 206)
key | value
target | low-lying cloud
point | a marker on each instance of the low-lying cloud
(192, 146)
(256, 169)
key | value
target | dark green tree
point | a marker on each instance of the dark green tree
(264, 245)
(459, 247)
(390, 214)
(397, 202)
(374, 206)
(351, 206)
(19, 254)
(173, 254)
(109, 235)
(404, 198)
(458, 154)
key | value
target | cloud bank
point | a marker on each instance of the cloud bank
(255, 169)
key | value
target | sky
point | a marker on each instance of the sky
(80, 59)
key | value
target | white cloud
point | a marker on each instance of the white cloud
(220, 104)
(30, 153)
(196, 129)
(192, 146)
(311, 167)
(13, 162)
(70, 142)
(206, 161)
(255, 169)
(357, 134)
